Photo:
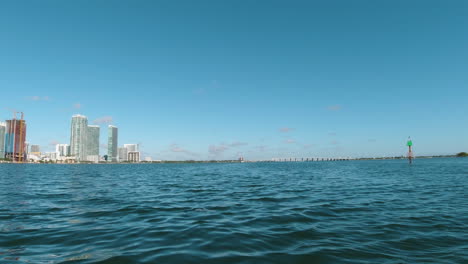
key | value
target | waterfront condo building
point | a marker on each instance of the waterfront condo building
(26, 148)
(112, 142)
(15, 140)
(131, 147)
(35, 150)
(62, 150)
(134, 156)
(123, 154)
(92, 143)
(2, 139)
(79, 129)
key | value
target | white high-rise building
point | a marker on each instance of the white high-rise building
(62, 150)
(79, 128)
(112, 143)
(2, 139)
(131, 147)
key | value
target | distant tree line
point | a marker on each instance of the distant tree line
(462, 154)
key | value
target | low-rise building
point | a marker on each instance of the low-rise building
(93, 158)
(133, 156)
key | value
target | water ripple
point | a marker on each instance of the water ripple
(316, 212)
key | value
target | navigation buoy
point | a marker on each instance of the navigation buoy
(409, 143)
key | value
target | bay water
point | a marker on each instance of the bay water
(378, 211)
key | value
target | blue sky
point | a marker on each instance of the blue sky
(261, 79)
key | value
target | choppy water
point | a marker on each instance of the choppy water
(317, 212)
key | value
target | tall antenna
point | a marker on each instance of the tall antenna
(409, 143)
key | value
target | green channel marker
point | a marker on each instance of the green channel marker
(409, 143)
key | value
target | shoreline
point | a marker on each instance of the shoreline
(225, 161)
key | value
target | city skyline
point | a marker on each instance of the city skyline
(277, 82)
(84, 144)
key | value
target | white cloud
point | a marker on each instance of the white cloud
(177, 149)
(238, 144)
(221, 148)
(38, 98)
(217, 150)
(308, 146)
(54, 142)
(103, 120)
(286, 129)
(334, 107)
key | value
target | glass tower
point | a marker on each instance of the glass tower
(112, 143)
(79, 127)
(2, 139)
(92, 141)
(123, 154)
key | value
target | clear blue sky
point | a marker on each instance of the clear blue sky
(262, 79)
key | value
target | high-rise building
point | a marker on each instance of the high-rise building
(26, 147)
(15, 139)
(131, 147)
(92, 143)
(62, 150)
(35, 149)
(123, 154)
(79, 128)
(2, 139)
(112, 143)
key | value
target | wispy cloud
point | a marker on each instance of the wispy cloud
(54, 142)
(286, 129)
(38, 98)
(238, 144)
(289, 141)
(334, 107)
(199, 91)
(261, 148)
(177, 149)
(217, 149)
(308, 146)
(223, 147)
(103, 120)
(334, 142)
(77, 106)
(214, 84)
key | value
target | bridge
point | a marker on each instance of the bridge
(309, 159)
